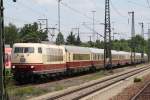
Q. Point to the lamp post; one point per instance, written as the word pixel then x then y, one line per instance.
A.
pixel 2 46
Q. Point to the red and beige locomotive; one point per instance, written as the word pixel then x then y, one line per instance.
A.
pixel 30 59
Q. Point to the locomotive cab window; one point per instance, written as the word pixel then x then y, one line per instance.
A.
pixel 28 50
pixel 39 50
pixel 18 50
pixel 24 50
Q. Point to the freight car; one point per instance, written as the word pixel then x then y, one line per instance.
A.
pixel 30 59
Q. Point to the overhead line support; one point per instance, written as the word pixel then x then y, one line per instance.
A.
pixel 132 37
pixel 107 37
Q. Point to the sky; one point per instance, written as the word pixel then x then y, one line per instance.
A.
pixel 78 13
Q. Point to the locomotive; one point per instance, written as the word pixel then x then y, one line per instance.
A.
pixel 29 59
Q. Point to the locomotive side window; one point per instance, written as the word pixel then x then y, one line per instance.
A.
pixel 54 54
pixel 39 50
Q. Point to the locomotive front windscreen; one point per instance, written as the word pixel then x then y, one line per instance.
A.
pixel 24 50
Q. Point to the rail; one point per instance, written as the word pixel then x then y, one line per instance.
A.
pixel 141 91
pixel 81 92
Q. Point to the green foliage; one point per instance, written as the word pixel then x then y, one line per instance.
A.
pixel 78 41
pixel 147 48
pixel 120 45
pixel 60 39
pixel 99 44
pixel 11 34
pixel 23 92
pixel 30 33
pixel 59 87
pixel 71 40
pixel 137 80
pixel 138 43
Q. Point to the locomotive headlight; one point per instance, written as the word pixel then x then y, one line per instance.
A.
pixel 32 67
pixel 13 67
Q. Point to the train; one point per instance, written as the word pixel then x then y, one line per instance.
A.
pixel 32 59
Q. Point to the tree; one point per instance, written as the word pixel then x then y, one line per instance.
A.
pixel 60 39
pixel 147 49
pixel 71 39
pixel 11 34
pixel 78 41
pixel 138 43
pixel 30 33
pixel 98 44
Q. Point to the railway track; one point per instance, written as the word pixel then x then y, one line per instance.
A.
pixel 144 94
pixel 83 91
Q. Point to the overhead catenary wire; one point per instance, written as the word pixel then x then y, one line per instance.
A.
pixel 148 3
pixel 138 4
pixel 91 29
pixel 94 4
pixel 75 10
pixel 16 19
pixel 34 11
pixel 116 10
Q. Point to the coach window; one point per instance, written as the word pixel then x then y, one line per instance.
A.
pixel 39 50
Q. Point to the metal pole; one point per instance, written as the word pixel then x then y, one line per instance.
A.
pixel 2 91
pixel 47 26
pixel 46 23
pixel 142 29
pixel 148 43
pixel 132 36
pixel 53 33
pixel 59 16
pixel 77 29
pixel 93 12
pixel 107 36
pixel 2 48
pixel 113 31
pixel 142 34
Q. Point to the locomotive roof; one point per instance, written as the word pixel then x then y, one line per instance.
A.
pixel 95 50
pixel 26 44
pixel 76 49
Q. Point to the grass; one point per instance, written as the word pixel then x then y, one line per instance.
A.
pixel 21 93
pixel 95 76
pixel 25 92
pixel 59 87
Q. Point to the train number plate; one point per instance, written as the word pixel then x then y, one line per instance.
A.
pixel 22 60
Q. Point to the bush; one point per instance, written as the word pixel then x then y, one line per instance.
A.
pixel 137 80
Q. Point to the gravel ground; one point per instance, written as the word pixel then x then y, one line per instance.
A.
pixel 79 80
pixel 132 90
